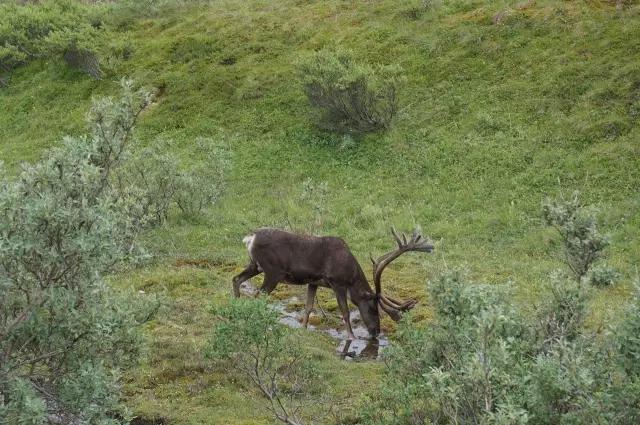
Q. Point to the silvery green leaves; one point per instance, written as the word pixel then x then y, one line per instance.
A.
pixel 582 242
pixel 484 360
pixel 64 333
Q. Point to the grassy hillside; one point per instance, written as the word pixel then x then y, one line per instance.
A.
pixel 503 104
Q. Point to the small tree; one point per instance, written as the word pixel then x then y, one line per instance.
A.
pixel 350 97
pixel 42 30
pixel 314 195
pixel 64 333
pixel 250 340
pixel 577 225
pixel 204 182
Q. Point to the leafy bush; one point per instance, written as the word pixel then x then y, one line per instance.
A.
pixel 154 181
pixel 603 275
pixel 563 313
pixel 628 335
pixel 55 28
pixel 203 183
pixel 64 333
pixel 482 362
pixel 249 339
pixel 349 97
pixel 150 180
pixel 577 225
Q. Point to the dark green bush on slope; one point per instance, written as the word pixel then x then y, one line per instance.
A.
pixel 54 28
pixel 350 97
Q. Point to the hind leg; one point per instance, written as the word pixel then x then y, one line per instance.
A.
pixel 250 271
pixel 270 282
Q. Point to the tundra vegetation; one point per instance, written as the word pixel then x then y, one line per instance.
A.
pixel 487 110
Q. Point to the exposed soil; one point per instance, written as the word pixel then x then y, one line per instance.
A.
pixel 149 421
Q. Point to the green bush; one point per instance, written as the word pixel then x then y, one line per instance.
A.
pixel 603 275
pixel 53 28
pixel 154 180
pixel 150 180
pixel 250 340
pixel 563 312
pixel 204 182
pixel 349 97
pixel 628 335
pixel 483 362
pixel 577 225
pixel 64 333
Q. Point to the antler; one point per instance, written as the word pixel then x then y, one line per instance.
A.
pixel 391 306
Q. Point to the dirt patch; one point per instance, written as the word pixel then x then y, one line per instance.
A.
pixel 149 421
pixel 203 263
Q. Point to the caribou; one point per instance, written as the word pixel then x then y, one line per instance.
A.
pixel 327 261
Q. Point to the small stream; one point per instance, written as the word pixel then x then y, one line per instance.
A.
pixel 361 348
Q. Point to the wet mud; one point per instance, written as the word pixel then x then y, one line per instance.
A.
pixel 360 349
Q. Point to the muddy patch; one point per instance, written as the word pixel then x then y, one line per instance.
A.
pixel 362 348
pixel 148 421
pixel 204 263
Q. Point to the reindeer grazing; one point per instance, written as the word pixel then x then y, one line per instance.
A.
pixel 326 261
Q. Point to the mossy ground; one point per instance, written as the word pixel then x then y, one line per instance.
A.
pixel 493 118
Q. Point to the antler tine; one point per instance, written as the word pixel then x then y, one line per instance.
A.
pixel 395 236
pixel 392 312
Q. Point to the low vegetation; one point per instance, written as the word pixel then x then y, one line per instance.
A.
pixel 251 341
pixel 64 333
pixel 63 28
pixel 485 362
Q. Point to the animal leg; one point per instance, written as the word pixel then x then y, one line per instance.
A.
pixel 270 282
pixel 311 295
pixel 250 271
pixel 341 296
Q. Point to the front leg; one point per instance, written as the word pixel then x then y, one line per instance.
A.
pixel 311 295
pixel 341 296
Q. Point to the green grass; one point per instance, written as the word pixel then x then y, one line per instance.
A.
pixel 493 118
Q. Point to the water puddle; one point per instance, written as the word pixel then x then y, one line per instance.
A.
pixel 362 348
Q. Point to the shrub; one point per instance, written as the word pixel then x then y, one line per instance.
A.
pixel 603 275
pixel 249 339
pixel 628 335
pixel 481 362
pixel 64 333
pixel 204 182
pixel 349 97
pixel 563 313
pixel 57 28
pixel 314 196
pixel 154 181
pixel 150 180
pixel 577 225
pixel 456 370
